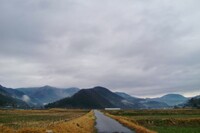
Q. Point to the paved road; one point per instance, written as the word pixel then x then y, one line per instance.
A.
pixel 105 124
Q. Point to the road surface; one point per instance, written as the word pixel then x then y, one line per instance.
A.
pixel 105 124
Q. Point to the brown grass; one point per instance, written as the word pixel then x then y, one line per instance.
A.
pixel 4 129
pixel 131 124
pixel 82 124
pixel 18 119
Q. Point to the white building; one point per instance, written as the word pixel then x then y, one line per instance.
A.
pixel 112 108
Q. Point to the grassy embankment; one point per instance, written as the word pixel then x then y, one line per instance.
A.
pixel 39 121
pixel 130 123
pixel 162 121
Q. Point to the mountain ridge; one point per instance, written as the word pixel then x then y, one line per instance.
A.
pixel 171 99
pixel 47 94
pixel 97 97
pixel 10 98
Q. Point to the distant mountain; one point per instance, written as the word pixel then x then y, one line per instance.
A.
pixel 128 97
pixel 171 99
pixel 48 94
pixel 141 103
pixel 193 102
pixel 3 91
pixel 154 104
pixel 134 100
pixel 12 92
pixel 10 97
pixel 97 97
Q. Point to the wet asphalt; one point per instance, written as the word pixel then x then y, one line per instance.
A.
pixel 105 124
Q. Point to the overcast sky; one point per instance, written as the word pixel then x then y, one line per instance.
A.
pixel 145 48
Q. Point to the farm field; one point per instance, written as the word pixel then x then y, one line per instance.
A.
pixel 23 121
pixel 163 121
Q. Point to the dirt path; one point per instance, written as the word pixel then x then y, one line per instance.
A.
pixel 105 124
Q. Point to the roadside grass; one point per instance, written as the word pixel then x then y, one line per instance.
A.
pixel 131 124
pixel 176 129
pixel 38 121
pixel 158 112
pixel 84 124
pixel 164 121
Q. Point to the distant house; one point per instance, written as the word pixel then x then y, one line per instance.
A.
pixel 112 108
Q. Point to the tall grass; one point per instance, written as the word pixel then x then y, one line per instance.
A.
pixel 84 124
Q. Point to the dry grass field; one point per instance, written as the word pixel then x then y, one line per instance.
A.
pixel 161 121
pixel 84 124
pixel 40 121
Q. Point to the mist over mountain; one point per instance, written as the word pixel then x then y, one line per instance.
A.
pixel 129 98
pixel 100 97
pixel 171 99
pixel 97 97
pixel 12 98
pixel 33 97
pixel 141 103
pixel 47 94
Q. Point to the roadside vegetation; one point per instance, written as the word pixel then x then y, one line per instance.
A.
pixel 132 124
pixel 84 124
pixel 161 121
pixel 42 121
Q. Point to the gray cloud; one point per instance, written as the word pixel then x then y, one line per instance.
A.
pixel 144 48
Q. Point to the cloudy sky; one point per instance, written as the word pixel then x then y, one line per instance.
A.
pixel 142 47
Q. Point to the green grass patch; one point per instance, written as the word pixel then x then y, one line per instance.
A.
pixel 176 129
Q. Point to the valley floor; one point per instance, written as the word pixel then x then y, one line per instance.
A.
pixel 83 121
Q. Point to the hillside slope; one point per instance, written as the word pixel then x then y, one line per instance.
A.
pixel 171 99
pixel 141 103
pixel 193 102
pixel 97 97
pixel 8 99
pixel 48 94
